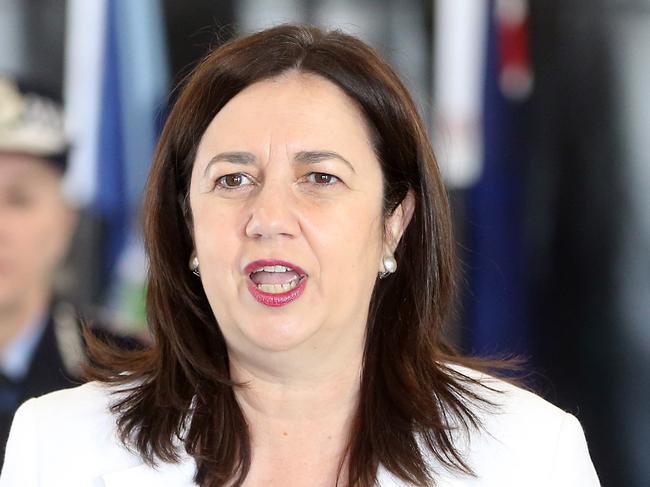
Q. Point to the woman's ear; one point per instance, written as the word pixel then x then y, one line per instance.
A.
pixel 397 222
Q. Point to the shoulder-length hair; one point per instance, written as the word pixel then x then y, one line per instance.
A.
pixel 180 389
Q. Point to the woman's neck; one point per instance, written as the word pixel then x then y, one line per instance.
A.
pixel 299 426
pixel 293 397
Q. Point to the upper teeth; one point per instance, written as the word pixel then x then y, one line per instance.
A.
pixel 273 268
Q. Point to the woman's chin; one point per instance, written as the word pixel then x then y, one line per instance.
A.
pixel 278 335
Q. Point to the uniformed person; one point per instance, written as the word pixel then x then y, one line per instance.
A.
pixel 41 345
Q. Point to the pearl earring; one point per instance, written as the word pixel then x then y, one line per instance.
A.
pixel 390 266
pixel 194 264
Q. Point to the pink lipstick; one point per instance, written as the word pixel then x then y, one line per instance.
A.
pixel 261 272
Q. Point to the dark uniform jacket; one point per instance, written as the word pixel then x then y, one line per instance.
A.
pixel 55 364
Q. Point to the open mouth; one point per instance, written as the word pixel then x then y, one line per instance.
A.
pixel 276 279
pixel 275 283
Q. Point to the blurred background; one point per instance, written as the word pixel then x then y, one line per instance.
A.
pixel 539 112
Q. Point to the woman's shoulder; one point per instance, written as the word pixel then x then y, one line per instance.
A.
pixel 523 437
pixel 89 395
pixel 509 400
pixel 69 433
pixel 75 409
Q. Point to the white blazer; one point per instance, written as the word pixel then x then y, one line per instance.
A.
pixel 67 438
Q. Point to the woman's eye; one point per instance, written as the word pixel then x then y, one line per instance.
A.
pixel 232 181
pixel 322 178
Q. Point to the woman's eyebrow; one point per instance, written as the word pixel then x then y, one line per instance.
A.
pixel 232 157
pixel 311 157
pixel 305 157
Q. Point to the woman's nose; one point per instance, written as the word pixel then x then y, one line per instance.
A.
pixel 273 213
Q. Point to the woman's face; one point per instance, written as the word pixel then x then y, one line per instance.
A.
pixel 286 198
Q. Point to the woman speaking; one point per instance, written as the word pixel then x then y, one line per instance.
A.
pixel 301 272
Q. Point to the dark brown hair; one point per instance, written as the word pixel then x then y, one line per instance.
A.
pixel 180 388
